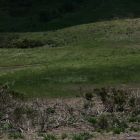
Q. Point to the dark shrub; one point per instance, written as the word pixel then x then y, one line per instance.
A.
pixel 134 119
pixel 102 122
pixel 5 41
pixel 92 120
pixel 16 135
pixel 13 41
pixel 50 42
pixel 87 105
pixel 89 96
pixel 27 43
pixel 135 129
pixel 44 15
pixel 117 130
pixel 114 100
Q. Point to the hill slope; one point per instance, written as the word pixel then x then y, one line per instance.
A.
pixel 24 16
pixel 97 54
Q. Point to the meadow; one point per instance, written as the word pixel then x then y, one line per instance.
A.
pixel 91 55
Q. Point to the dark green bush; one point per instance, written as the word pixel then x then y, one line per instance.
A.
pixel 50 110
pixel 18 112
pixel 50 137
pixel 17 95
pixel 122 125
pixel 4 96
pixel 50 42
pixel 6 41
pixel 97 130
pixel 132 101
pixel 113 99
pixel 86 134
pixel 63 136
pixel 117 130
pixel 102 122
pixel 135 129
pixel 13 42
pixel 91 120
pixel 1 133
pixel 102 92
pixel 27 43
pixel 88 96
pixel 134 119
pixel 87 105
pixel 41 135
pixel 10 126
pixel 31 113
pixel 16 135
pixel 51 121
pixel 77 137
pixel 1 116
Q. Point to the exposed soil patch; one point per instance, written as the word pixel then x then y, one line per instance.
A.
pixel 20 66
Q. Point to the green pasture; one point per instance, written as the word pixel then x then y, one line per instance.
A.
pixel 98 54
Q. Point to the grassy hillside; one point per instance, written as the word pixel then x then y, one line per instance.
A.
pixel 23 16
pixel 98 54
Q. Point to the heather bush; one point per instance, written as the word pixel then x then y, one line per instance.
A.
pixel 63 136
pixel 113 100
pixel 88 96
pixel 92 120
pixel 12 41
pixel 6 41
pixel 50 137
pixel 134 104
pixel 135 129
pixel 27 43
pixel 16 135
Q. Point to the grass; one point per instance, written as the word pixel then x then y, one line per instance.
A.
pixel 102 53
pixel 16 135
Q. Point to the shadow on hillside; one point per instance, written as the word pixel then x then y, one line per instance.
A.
pixel 42 27
pixel 87 12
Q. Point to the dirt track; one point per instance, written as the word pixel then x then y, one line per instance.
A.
pixel 21 66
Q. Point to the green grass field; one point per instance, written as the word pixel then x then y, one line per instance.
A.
pixel 98 54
